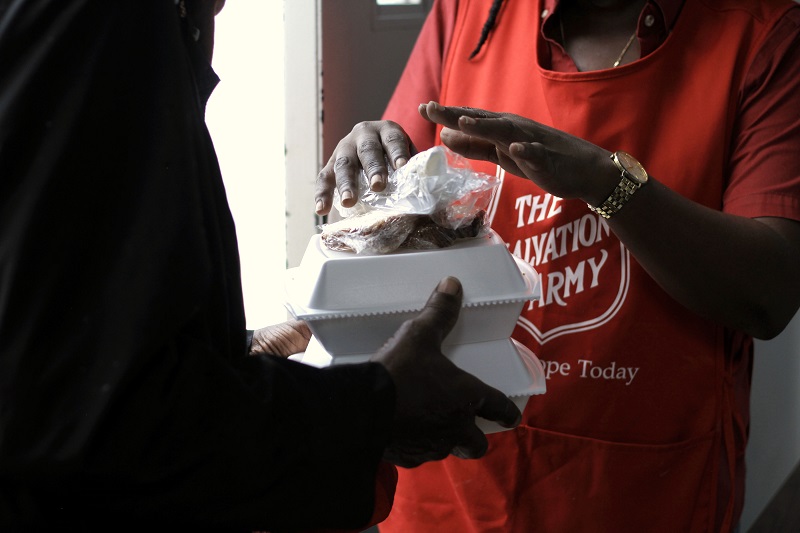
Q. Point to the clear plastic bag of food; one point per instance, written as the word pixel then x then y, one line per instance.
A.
pixel 433 200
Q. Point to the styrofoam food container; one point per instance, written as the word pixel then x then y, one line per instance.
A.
pixel 354 303
pixel 505 364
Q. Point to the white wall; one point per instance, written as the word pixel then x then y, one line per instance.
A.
pixel 304 122
pixel 246 119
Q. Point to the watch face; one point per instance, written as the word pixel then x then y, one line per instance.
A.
pixel 632 167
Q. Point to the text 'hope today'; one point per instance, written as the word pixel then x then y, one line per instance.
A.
pixel 588 370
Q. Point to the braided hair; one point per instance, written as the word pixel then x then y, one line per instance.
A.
pixel 488 26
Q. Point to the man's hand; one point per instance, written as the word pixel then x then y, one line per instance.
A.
pixel 561 164
pixel 367 146
pixel 436 401
pixel 284 339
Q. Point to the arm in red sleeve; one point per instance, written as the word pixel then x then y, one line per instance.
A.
pixel 765 160
pixel 421 80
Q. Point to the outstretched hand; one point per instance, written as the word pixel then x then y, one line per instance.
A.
pixel 436 401
pixel 561 164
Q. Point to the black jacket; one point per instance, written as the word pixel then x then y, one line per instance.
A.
pixel 126 398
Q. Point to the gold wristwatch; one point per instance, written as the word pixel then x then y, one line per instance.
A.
pixel 633 177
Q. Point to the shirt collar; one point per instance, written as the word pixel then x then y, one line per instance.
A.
pixel 657 19
pixel 669 10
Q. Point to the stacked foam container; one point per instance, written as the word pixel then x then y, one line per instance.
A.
pixel 354 303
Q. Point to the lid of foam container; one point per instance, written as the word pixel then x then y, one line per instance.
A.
pixel 333 284
pixel 507 365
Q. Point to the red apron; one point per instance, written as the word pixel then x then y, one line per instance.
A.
pixel 644 423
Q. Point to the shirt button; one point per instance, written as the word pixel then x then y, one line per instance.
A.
pixel 545 12
pixel 649 20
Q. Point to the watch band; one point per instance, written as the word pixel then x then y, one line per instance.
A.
pixel 618 198
pixel 620 195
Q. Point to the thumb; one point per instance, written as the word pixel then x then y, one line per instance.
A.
pixel 442 308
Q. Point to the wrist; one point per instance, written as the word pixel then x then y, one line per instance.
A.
pixel 605 180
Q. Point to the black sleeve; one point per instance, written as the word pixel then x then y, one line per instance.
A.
pixel 125 398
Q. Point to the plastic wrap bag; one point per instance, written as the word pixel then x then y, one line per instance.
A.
pixel 430 202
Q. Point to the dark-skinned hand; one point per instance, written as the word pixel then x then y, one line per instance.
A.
pixel 562 164
pixel 283 340
pixel 436 401
pixel 367 146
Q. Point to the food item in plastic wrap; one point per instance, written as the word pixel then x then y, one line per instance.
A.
pixel 379 232
pixel 432 201
pixel 375 232
pixel 428 235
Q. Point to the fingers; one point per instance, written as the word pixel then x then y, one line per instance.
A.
pixel 345 171
pixel 323 192
pixel 371 157
pixel 469 146
pixel 283 340
pixel 415 454
pixel 366 147
pixel 500 131
pixel 472 443
pixel 499 408
pixel 499 128
pixel 449 116
pixel 489 402
pixel 483 135
pixel 396 144
pixel 459 437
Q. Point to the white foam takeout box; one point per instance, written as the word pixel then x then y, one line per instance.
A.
pixel 504 364
pixel 353 303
